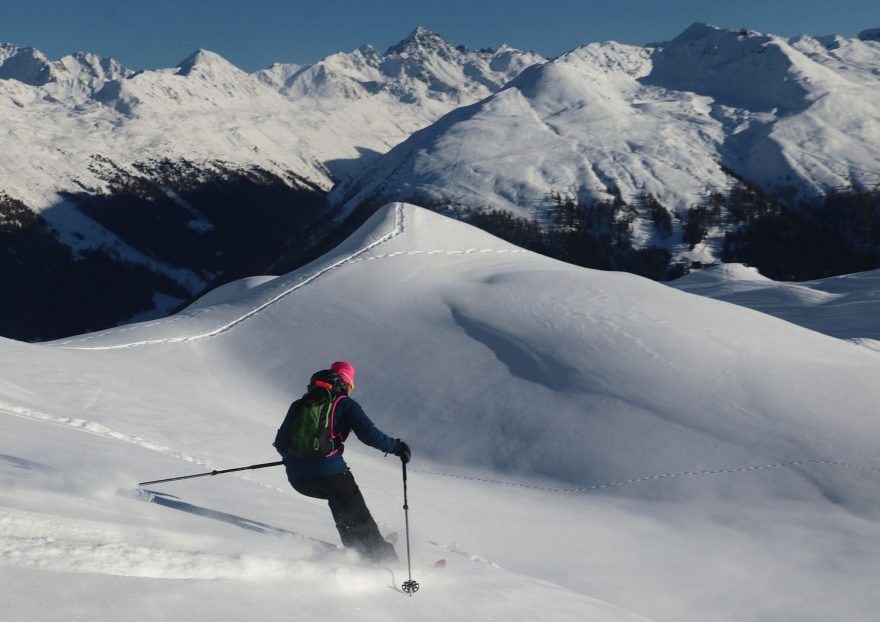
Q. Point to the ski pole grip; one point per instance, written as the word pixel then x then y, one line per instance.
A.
pixel 405 500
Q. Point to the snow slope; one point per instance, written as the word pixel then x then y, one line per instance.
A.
pixel 667 455
pixel 670 120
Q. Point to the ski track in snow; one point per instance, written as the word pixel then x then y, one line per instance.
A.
pixel 398 228
pixel 96 429
pixel 456 549
pixel 648 478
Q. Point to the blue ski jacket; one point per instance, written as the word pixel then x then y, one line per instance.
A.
pixel 348 417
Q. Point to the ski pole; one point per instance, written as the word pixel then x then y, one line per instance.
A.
pixel 245 468
pixel 409 586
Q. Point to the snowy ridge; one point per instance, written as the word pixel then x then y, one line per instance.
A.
pixel 421 68
pixel 398 227
pixel 76 76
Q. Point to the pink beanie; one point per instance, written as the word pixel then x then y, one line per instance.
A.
pixel 346 370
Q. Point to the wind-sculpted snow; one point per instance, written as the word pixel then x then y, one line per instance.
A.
pixel 650 443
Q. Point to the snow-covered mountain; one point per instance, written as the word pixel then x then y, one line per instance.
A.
pixel 286 119
pixel 74 77
pixel 138 168
pixel 679 121
pixel 364 102
pixel 587 445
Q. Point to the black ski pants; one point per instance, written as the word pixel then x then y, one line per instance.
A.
pixel 355 524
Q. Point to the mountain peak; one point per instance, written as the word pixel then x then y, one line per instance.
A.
pixel 419 39
pixel 872 34
pixel 203 59
pixel 420 33
pixel 738 68
pixel 701 30
pixel 697 30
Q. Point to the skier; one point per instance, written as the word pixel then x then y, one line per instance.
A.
pixel 310 441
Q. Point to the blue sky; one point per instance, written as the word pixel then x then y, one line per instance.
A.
pixel 254 34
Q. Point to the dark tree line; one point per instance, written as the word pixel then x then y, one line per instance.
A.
pixel 785 238
pixel 593 235
pixel 793 239
pixel 220 224
pixel 50 292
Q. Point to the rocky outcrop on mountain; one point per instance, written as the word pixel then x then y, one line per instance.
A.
pixel 871 34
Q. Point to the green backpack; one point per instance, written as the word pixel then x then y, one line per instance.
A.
pixel 312 434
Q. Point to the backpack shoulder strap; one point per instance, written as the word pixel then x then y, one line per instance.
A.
pixel 333 433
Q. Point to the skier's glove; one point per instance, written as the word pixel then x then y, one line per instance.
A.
pixel 402 451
